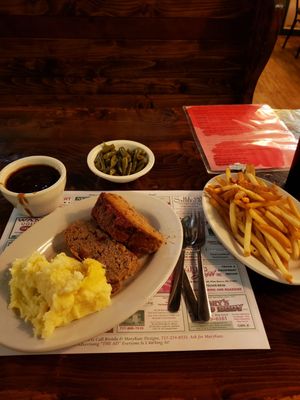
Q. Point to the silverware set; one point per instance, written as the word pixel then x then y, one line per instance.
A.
pixel 193 236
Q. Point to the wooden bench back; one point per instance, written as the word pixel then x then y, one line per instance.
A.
pixel 134 53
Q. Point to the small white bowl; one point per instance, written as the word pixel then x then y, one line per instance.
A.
pixel 38 203
pixel 128 144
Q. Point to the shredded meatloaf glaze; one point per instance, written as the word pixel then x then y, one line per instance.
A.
pixel 122 222
pixel 85 239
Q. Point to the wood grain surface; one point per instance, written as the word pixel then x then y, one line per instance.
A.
pixel 211 51
pixel 252 374
pixel 76 73
pixel 279 83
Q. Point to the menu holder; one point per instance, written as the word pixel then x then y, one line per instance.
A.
pixel 240 134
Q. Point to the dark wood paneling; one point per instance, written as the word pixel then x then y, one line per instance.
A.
pixel 100 49
pixel 121 8
pixel 150 28
pixel 214 50
pixel 121 101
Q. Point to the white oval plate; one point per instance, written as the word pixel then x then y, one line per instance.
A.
pixel 46 237
pixel 225 237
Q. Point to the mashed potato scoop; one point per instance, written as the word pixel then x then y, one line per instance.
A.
pixel 53 293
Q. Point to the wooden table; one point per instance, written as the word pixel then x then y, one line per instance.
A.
pixel 68 133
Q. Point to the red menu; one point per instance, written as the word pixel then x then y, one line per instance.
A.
pixel 229 135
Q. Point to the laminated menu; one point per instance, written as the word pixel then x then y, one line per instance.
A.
pixel 240 134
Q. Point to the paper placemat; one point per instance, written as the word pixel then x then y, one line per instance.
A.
pixel 235 322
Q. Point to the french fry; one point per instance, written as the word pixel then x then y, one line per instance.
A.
pixel 251 194
pixel 286 274
pixel 228 174
pixel 275 221
pixel 282 239
pixel 247 237
pixel 229 187
pixel 296 250
pixel 259 235
pixel 221 211
pixel 263 250
pixel 240 177
pixel 286 215
pixel 258 204
pixel 261 182
pixel 250 169
pixel 293 207
pixel 260 246
pixel 232 218
pixel 279 248
pixel 257 217
pixel 246 200
pixel 251 178
pixel 220 181
pixel 239 195
pixel 254 250
pixel 265 191
pixel 265 222
pixel 217 198
pixel 229 194
pixel 271 196
pixel 293 232
pixel 240 203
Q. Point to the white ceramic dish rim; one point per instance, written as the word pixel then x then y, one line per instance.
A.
pixel 220 230
pixel 32 160
pixel 118 143
pixel 41 236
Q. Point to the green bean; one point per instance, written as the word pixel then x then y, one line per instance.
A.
pixel 140 154
pixel 99 162
pixel 128 172
pixel 140 166
pixel 120 161
pixel 119 167
pixel 134 164
pixel 107 147
pixel 124 165
pixel 113 160
pixel 122 151
pixel 108 156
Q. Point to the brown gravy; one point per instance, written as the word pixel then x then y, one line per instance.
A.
pixel 32 178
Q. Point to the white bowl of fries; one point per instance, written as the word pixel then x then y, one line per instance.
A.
pixel 258 222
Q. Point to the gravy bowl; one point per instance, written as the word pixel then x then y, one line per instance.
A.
pixel 34 185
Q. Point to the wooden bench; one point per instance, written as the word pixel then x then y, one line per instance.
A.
pixel 134 53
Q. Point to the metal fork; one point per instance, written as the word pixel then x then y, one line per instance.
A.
pixel 176 289
pixel 197 240
pixel 181 281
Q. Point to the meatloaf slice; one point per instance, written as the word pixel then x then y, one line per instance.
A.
pixel 125 224
pixel 84 239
